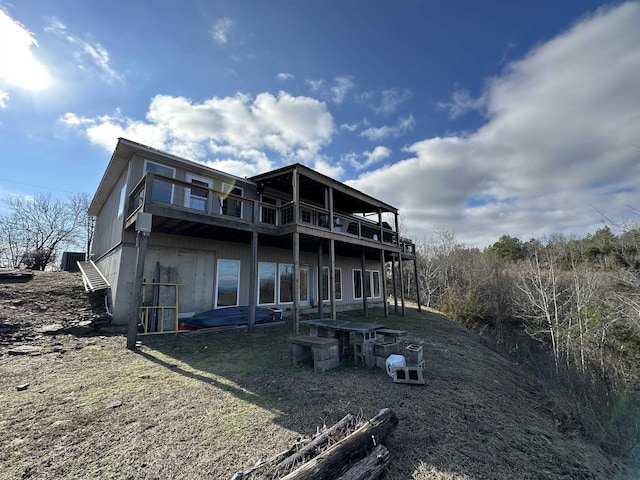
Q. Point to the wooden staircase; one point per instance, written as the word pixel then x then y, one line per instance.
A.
pixel 92 277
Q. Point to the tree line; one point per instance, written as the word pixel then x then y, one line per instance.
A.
pixel 35 230
pixel 568 309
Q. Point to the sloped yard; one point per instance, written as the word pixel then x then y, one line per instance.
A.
pixel 208 405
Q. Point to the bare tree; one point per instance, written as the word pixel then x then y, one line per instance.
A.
pixel 543 296
pixel 36 227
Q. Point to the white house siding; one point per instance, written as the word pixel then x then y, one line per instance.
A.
pixel 109 223
pixel 121 284
pixel 194 262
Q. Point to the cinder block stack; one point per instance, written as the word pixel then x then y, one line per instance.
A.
pixel 413 371
pixel 414 356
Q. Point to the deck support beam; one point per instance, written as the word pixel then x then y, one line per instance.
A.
pixel 320 282
pixel 363 265
pixel 383 279
pixel 253 270
pixel 136 298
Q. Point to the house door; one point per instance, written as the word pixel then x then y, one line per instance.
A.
pixel 285 284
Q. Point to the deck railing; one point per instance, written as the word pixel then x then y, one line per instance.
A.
pixel 155 189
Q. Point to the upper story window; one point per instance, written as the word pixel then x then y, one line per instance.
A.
pixel 162 191
pixel 268 210
pixel 197 195
pixel 232 206
pixel 123 198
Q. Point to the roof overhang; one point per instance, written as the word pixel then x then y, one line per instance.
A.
pixel 313 186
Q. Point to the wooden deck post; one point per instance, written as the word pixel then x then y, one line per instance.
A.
pixel 332 277
pixel 295 187
pixel 363 265
pixel 415 272
pixel 253 270
pixel 393 283
pixel 296 282
pixel 401 284
pixel 320 281
pixel 332 260
pixel 136 298
pixel 383 279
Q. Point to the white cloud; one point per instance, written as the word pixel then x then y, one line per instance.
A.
pixel 369 158
pixel 461 103
pixel 220 30
pixel 349 127
pixel 18 66
pixel 323 166
pixel 336 92
pixel 376 155
pixel 89 55
pixel 240 129
pixel 380 133
pixel 4 98
pixel 386 101
pixel 284 76
pixel 556 147
pixel 343 85
pixel 315 85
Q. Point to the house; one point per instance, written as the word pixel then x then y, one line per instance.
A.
pixel 192 239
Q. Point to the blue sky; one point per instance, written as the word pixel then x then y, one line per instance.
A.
pixel 479 118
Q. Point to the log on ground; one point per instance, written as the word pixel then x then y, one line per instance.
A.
pixel 336 460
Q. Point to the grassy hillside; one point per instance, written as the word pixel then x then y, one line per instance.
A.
pixel 205 406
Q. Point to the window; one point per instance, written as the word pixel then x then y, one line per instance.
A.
pixel 228 283
pixel 267 283
pixel 268 212
pixel 231 206
pixel 371 284
pixel 367 283
pixel 162 190
pixel 357 284
pixel 197 196
pixel 325 284
pixel 304 285
pixel 123 193
pixel 287 215
pixel 286 284
pixel 376 284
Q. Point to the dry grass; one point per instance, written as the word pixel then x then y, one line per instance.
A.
pixel 205 406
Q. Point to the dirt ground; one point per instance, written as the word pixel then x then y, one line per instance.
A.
pixel 77 404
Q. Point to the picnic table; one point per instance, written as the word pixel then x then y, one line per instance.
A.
pixel 342 329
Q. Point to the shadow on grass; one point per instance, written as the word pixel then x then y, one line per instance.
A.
pixel 255 368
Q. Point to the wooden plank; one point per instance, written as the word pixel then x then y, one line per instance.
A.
pixel 331 463
pixel 371 467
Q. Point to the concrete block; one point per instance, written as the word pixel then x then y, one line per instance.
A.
pixel 370 361
pixel 360 337
pixel 328 364
pixel 299 354
pixel 389 335
pixel 324 353
pixel 413 354
pixel 408 374
pixel 381 362
pixel 384 349
pixel 369 348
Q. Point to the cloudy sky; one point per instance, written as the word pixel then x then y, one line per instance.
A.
pixel 481 118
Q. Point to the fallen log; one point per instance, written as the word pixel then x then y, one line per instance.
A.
pixel 308 451
pixel 335 461
pixel 264 464
pixel 298 453
pixel 370 467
